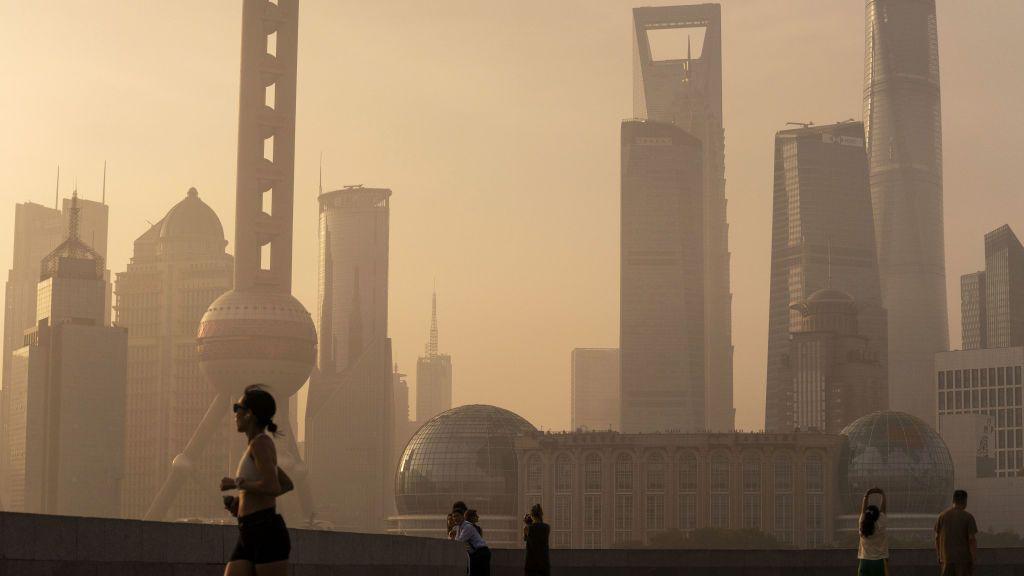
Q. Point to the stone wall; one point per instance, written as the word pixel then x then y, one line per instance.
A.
pixel 32 545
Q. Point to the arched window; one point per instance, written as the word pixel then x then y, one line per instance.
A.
pixel 655 473
pixel 752 491
pixel 687 465
pixel 563 473
pixel 720 490
pixel 592 473
pixel 534 474
pixel 624 473
pixel 782 465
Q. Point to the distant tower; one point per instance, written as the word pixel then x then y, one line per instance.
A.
pixel 822 236
pixel 595 389
pixel 258 333
pixel 433 375
pixel 66 392
pixel 661 296
pixel 992 300
pixel 687 92
pixel 350 408
pixel 903 131
pixel 179 267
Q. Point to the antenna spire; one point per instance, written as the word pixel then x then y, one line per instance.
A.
pixel 432 343
pixel 56 193
pixel 321 172
pixel 104 197
pixel 73 215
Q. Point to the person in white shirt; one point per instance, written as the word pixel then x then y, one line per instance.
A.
pixel 479 554
pixel 873 551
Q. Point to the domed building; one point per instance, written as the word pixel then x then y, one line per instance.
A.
pixel 466 453
pixel 179 266
pixel 905 457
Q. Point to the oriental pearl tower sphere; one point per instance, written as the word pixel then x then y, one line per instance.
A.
pixel 258 333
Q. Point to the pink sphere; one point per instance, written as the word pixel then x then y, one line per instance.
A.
pixel 254 337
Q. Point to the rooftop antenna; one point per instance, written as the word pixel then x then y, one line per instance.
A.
pixel 321 172
pixel 104 197
pixel 56 193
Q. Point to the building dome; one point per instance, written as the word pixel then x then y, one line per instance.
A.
pixel 901 455
pixel 192 218
pixel 466 453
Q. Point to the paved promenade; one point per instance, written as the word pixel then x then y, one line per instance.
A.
pixel 32 545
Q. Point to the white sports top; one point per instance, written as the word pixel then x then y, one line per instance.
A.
pixel 247 465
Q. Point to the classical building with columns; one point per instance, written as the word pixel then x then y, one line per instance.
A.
pixel 607 489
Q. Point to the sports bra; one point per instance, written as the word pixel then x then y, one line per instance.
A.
pixel 247 465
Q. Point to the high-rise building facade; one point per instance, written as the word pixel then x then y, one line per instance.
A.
pixel 179 267
pixel 350 410
pixel 836 375
pixel 987 382
pixel 65 410
pixel 822 235
pixel 661 308
pixel 595 389
pixel 433 376
pixel 687 91
pixel 973 329
pixel 903 138
pixel 37 231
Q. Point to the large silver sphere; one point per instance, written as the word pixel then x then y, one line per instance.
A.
pixel 253 337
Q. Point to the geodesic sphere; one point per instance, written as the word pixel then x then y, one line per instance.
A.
pixel 253 337
pixel 901 455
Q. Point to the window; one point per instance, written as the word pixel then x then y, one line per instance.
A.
pixel 752 492
pixel 815 473
pixel 563 473
pixel 752 511
pixel 562 519
pixel 623 518
pixel 655 512
pixel 560 539
pixel 592 512
pixel 655 473
pixel 534 475
pixel 719 510
pixel 783 475
pixel 687 512
pixel 592 540
pixel 688 473
pixel 624 473
pixel 592 473
pixel 719 473
pixel 815 520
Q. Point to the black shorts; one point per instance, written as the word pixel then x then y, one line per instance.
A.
pixel 262 538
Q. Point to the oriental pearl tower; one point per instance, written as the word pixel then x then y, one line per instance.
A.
pixel 258 333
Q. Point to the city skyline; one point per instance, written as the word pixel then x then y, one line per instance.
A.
pixel 29 162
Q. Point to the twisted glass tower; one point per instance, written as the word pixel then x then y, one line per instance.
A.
pixel 903 133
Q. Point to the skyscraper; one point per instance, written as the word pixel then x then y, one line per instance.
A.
pixel 992 300
pixel 686 90
pixel 178 269
pixel 903 137
pixel 433 375
pixel 661 308
pixel 350 412
pixel 595 389
pixel 65 410
pixel 822 235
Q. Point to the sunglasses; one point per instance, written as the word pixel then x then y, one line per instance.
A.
pixel 236 408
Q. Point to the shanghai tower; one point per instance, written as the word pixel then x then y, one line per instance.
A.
pixel 686 90
pixel 903 137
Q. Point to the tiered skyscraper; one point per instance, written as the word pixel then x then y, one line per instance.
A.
pixel 433 376
pixel 903 132
pixel 350 410
pixel 178 269
pixel 65 409
pixel 687 92
pixel 822 236
pixel 992 300
pixel 661 301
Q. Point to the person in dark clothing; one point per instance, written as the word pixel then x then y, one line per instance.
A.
pixel 536 534
pixel 955 538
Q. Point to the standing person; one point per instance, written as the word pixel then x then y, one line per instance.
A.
pixel 476 546
pixel 873 551
pixel 536 534
pixel 263 543
pixel 955 540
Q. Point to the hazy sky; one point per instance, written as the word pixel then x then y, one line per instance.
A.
pixel 496 124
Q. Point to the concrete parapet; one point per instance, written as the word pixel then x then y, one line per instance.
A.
pixel 34 545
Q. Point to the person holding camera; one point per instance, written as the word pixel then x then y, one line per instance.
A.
pixel 536 535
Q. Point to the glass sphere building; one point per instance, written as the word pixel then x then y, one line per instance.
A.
pixel 902 455
pixel 466 453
